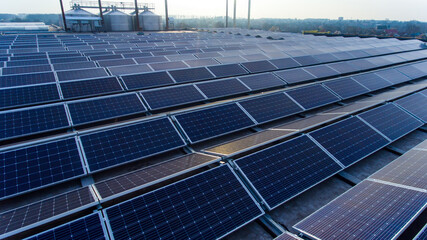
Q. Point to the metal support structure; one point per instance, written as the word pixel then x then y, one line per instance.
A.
pixel 234 17
pixel 348 178
pixel 272 227
pixel 100 12
pixel 226 13
pixel 167 15
pixel 63 15
pixel 249 14
pixel 137 16
pixel 394 150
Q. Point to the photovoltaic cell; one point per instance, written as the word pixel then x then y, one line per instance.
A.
pixel 349 140
pixel 411 71
pixel 391 121
pixel 116 62
pixel 362 64
pixel 270 107
pixel 321 71
pixel 222 88
pixel 147 80
pixel 124 144
pixel 168 65
pixel 283 171
pixel 262 81
pixel 285 63
pixel 415 104
pixel 228 70
pixel 27 62
pixel 211 205
pixel 81 74
pixel 68 60
pixel 393 76
pixel 33 167
pixel 369 210
pixel 343 67
pixel 91 87
pixel 190 75
pixel 346 87
pixel 306 60
pixel 312 96
pixel 259 66
pixel 171 96
pixel 142 60
pixel 21 96
pixel 211 122
pixel 129 69
pixel 201 62
pixel 26 69
pixel 372 81
pixel 73 65
pixel 295 75
pixel 326 57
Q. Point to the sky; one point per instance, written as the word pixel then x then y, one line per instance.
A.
pixel 349 9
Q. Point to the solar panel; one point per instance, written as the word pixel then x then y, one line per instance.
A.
pixel 27 63
pixel 133 54
pixel 86 228
pixel 32 167
pixel 227 70
pixel 372 81
pixel 105 57
pixel 349 140
pixel 22 122
pixel 97 109
pixel 422 235
pixel 369 210
pixel 192 74
pixel 391 121
pixel 81 74
pixel 104 149
pixel 212 204
pixel 259 66
pixel 26 69
pixel 283 171
pixel 230 59
pixel 312 96
pixel 116 62
pixel 171 96
pixel 343 55
pixel 147 80
pixel 295 75
pixel 129 69
pixel 325 57
pixel 153 174
pixel 90 87
pixel 306 60
pixel 168 65
pixel 21 96
pixel 271 107
pixel 346 87
pixel 414 104
pixel 411 71
pixel 379 61
pixel 142 60
pixel 343 67
pixel 222 88
pixel 73 65
pixel 262 81
pixel 393 76
pixel 362 64
pixel 201 62
pixel 207 123
pixel 321 71
pixel 68 60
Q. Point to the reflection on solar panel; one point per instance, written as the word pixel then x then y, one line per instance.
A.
pixel 81 74
pixel 222 88
pixel 116 62
pixel 262 81
pixel 306 60
pixel 26 69
pixel 270 107
pixel 372 81
pixel 228 70
pixel 123 144
pixel 44 210
pixel 129 69
pixel 21 96
pixel 146 80
pixel 343 67
pixel 86 228
pixel 312 96
pixel 29 121
pixel 171 96
pixel 391 121
pixel 415 104
pixel 349 140
pixel 212 204
pixel 151 59
pixel 211 122
pixel 192 74
pixel 152 174
pixel 33 167
pixel 411 71
pixel 295 75
pixel 369 210
pixel 97 109
pixel 91 87
pixel 259 66
pixel 321 71
pixel 346 87
pixel 343 55
pixel 201 62
pixel 325 57
pixel 168 65
pixel 393 76
pixel 285 170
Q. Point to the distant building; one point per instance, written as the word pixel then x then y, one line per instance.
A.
pixel 340 18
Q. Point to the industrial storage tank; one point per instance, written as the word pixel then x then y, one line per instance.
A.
pixel 79 20
pixel 150 21
pixel 117 21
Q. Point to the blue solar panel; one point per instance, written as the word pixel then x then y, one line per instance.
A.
pixel 415 104
pixel 227 70
pixel 411 71
pixel 91 87
pixel 192 74
pixel 26 69
pixel 36 166
pixel 27 63
pixel 285 170
pixel 116 62
pixel 201 62
pixel 105 57
pixel 171 96
pixel 168 65
pixel 295 75
pixel 74 65
pixel 211 122
pixel 362 64
pixel 28 121
pixel 104 149
pixel 222 88
pixel 147 80
pixel 142 60
pixel 372 81
pixel 343 67
pixel 321 71
pixel 21 96
pixel 393 76
pixel 325 57
pixel 306 60
pixel 312 96
pixel 68 60
pixel 98 109
pixel 391 121
pixel 259 66
pixel 81 74
pixel 262 81
pixel 270 107
pixel 346 87
pixel 209 205
pixel 86 228
pixel 343 55
pixel 349 140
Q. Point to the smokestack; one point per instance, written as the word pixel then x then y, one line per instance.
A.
pixel 226 13
pixel 100 12
pixel 249 14
pixel 234 20
pixel 167 16
pixel 136 15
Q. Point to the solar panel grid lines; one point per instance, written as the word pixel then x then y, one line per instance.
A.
pixel 372 81
pixel 90 87
pixel 28 95
pixel 411 71
pixel 217 191
pixel 312 96
pixel 368 210
pixel 346 87
pixel 393 76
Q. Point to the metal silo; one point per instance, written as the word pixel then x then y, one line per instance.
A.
pixel 79 20
pixel 150 21
pixel 117 21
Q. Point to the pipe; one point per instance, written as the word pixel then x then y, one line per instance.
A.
pixel 100 12
pixel 136 15
pixel 226 13
pixel 249 14
pixel 234 20
pixel 63 15
pixel 167 16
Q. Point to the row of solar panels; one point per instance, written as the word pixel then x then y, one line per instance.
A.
pixel 392 198
pixel 292 160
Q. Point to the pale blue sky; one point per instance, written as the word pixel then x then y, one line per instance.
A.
pixel 349 9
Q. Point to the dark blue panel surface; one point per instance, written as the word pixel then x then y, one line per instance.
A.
pixel 346 87
pixel 343 67
pixel 192 74
pixel 321 71
pixel 393 76
pixel 349 140
pixel 32 120
pixel 27 62
pixel 211 122
pixel 283 171
pixel 271 107
pixel 411 71
pixel 228 70
pixel 312 96
pixel 171 96
pixel 285 63
pixel 262 81
pixel 81 74
pixel 142 60
pixel 415 104
pixel 168 65
pixel 147 80
pixel 295 75
pixel 26 69
pixel 222 88
pixel 206 206
pixel 26 79
pixel 259 66
pixel 91 87
pixel 68 60
pixel 128 143
pixel 74 65
pixel 372 81
pixel 306 60
pixel 21 96
pixel 32 167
